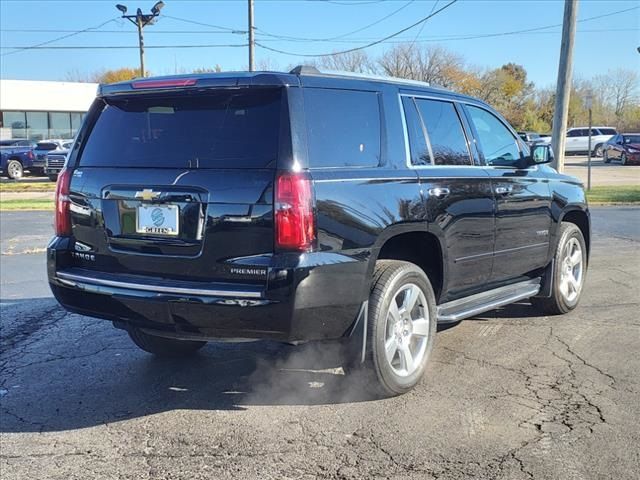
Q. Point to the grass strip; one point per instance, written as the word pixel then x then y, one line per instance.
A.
pixel 609 195
pixel 29 204
pixel 27 187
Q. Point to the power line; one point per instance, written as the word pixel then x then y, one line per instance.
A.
pixel 435 4
pixel 307 39
pixel 124 47
pixel 193 22
pixel 371 44
pixel 344 34
pixel 19 49
pixel 21 30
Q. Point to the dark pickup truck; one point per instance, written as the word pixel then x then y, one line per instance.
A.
pixel 16 156
pixel 308 206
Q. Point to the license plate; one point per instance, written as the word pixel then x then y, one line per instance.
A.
pixel 157 219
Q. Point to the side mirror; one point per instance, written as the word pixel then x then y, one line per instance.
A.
pixel 540 153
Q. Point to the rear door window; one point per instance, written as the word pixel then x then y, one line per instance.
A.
pixel 607 131
pixel 343 128
pixel 444 132
pixel 223 129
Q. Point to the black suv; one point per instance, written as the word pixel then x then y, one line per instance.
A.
pixel 306 207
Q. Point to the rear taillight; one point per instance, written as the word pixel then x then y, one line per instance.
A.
pixel 63 216
pixel 295 226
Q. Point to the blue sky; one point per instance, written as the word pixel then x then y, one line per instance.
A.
pixel 601 44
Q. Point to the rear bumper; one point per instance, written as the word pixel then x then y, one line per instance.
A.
pixel 307 297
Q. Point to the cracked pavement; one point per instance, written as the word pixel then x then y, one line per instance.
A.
pixel 507 395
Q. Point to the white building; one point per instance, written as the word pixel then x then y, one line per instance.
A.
pixel 39 110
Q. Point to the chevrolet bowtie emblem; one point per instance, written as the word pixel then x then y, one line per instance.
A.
pixel 147 194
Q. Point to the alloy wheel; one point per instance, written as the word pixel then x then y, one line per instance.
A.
pixel 572 271
pixel 407 330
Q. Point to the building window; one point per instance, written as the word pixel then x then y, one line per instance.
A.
pixel 59 125
pixel 38 125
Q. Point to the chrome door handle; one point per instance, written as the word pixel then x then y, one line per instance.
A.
pixel 439 192
pixel 503 190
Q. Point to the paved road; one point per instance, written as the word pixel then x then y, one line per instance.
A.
pixel 602 174
pixel 508 395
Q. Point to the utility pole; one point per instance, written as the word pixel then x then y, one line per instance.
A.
pixel 563 87
pixel 141 20
pixel 251 39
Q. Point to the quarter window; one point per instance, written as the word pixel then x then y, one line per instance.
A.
pixel 498 144
pixel 343 128
pixel 417 142
pixel 444 132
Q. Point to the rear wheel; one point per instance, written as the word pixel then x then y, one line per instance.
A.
pixel 569 271
pixel 14 169
pixel 164 347
pixel 401 327
pixel 597 152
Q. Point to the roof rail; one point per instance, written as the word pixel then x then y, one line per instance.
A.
pixel 312 70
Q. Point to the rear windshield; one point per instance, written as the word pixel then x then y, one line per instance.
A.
pixel 217 130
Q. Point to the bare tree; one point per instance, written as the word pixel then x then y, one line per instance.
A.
pixel 620 89
pixel 358 61
pixel 433 64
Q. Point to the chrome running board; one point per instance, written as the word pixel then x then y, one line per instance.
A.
pixel 457 310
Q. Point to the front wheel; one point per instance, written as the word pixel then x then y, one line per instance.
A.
pixel 569 271
pixel 605 157
pixel 53 177
pixel 623 159
pixel 401 326
pixel 14 169
pixel 164 347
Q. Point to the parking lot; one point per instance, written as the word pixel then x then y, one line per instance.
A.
pixel 508 395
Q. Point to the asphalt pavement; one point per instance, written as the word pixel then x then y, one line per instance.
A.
pixel 507 395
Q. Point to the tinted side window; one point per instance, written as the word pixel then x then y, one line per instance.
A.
pixel 573 133
pixel 498 144
pixel 343 128
pixel 444 132
pixel 607 131
pixel 417 141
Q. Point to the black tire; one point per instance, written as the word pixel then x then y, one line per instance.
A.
pixel 605 157
pixel 164 347
pixel 392 278
pixel 598 150
pixel 623 158
pixel 53 177
pixel 14 169
pixel 558 303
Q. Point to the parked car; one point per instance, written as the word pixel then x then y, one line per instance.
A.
pixel 530 138
pixel 578 139
pixel 624 147
pixel 14 160
pixel 362 211
pixel 54 162
pixel 45 146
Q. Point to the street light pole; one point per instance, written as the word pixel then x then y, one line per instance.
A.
pixel 140 43
pixel 141 20
pixel 588 100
